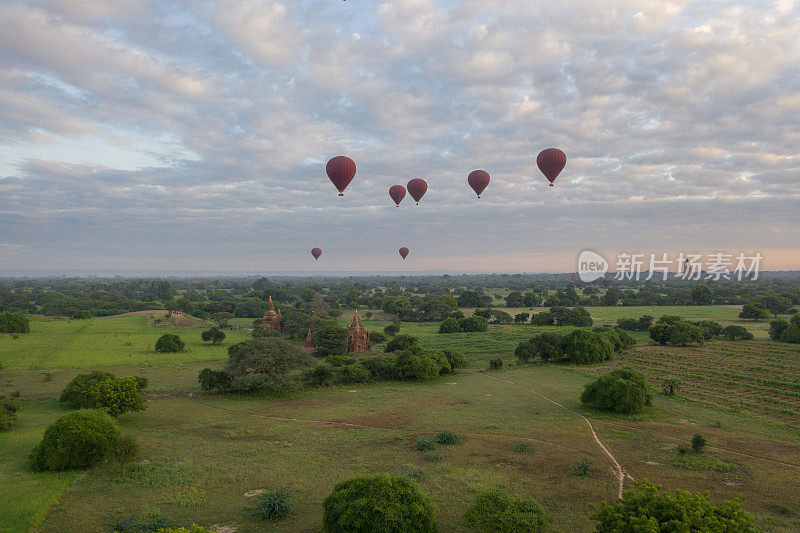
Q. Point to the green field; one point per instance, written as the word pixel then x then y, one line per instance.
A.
pixel 202 453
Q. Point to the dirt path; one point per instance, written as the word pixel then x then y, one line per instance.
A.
pixel 618 470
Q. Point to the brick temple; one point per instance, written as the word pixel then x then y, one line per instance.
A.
pixel 272 318
pixel 309 346
pixel 358 341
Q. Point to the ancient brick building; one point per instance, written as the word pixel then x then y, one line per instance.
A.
pixel 272 318
pixel 309 346
pixel 358 341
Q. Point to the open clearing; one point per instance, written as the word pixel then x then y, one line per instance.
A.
pixel 204 452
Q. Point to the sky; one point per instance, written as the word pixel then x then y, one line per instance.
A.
pixel 194 135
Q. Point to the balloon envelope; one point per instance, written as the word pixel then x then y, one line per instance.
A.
pixel 551 162
pixel 403 252
pixel 478 180
pixel 316 252
pixel 417 188
pixel 397 192
pixel 341 170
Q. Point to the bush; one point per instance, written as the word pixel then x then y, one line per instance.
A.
pixel 677 333
pixel 500 512
pixel 474 323
pixel 442 362
pixel 495 364
pixel 576 316
pixel 792 333
pixel 400 342
pixel 124 450
pixel 698 443
pixel 214 380
pixel 583 347
pixel 649 508
pixel 447 437
pixel 377 337
pixel 331 339
pixel 355 373
pixel 380 504
pixel 194 528
pixel 617 337
pixel 76 440
pixel 522 447
pixel 416 365
pixel 274 504
pixel 544 318
pixel 168 343
pixel 736 333
pixel 265 364
pixel 105 391
pixel 450 325
pixel 521 318
pixel 710 328
pixel 776 328
pixel 455 359
pixel 320 376
pixel 213 335
pixel 424 444
pixel 391 330
pixel 8 411
pixel 548 346
pixel 622 391
pixel 581 467
pixel 433 456
pixel 14 323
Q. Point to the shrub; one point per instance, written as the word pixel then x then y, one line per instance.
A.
pixel 629 324
pixel 447 437
pixel 442 362
pixel 678 333
pixel 377 337
pixel 433 456
pixel 450 325
pixel 8 411
pixel 623 391
pixel 416 365
pixel 274 504
pixel 500 512
pixel 320 376
pixel 522 447
pixel 776 328
pixel 14 323
pixel 698 443
pixel 544 318
pixel 425 444
pixel 474 323
pixel 331 339
pixel 194 528
pixel 736 333
pixel 710 328
pixel 649 508
pixel 586 347
pixel 521 318
pixel 213 335
pixel 215 380
pixel 400 342
pixel 455 359
pixel 391 330
pixel 78 439
pixel 355 373
pixel 495 364
pixel 581 467
pixel 123 450
pixel 576 316
pixel 617 337
pixel 103 390
pixel 168 343
pixel 669 319
pixel 380 504
pixel 792 333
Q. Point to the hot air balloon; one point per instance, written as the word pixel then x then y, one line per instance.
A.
pixel 416 188
pixel 397 192
pixel 551 162
pixel 478 180
pixel 341 170
pixel 403 252
pixel 316 252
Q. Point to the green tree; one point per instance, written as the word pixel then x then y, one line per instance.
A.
pixel 169 343
pixel 265 364
pixel 213 335
pixel 650 509
pixel 124 450
pixel 622 391
pixel 497 511
pixel 736 333
pixel 471 298
pixel 701 295
pixel 379 504
pixel 9 405
pixel 544 318
pixel 14 323
pixel 474 323
pixel 400 342
pixel 698 443
pixel 331 339
pixel 521 318
pixel 78 439
pixel 583 347
pixel 450 325
pixel 611 297
pixel 514 299
pixel 105 391
pixel 776 328
pixel 670 385
pixel 753 312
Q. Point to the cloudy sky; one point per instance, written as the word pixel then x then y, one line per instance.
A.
pixel 194 135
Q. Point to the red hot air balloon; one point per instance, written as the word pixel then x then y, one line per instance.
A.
pixel 316 252
pixel 403 252
pixel 417 188
pixel 478 180
pixel 551 162
pixel 397 192
pixel 341 170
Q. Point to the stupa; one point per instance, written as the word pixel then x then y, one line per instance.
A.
pixel 358 341
pixel 271 318
pixel 309 346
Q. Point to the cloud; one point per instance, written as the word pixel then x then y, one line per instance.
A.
pixel 163 132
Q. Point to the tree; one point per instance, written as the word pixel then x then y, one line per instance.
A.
pixel 400 342
pixel 649 508
pixel 679 333
pixel 78 439
pixel 105 391
pixel 474 323
pixel 531 299
pixel 776 304
pixel 736 333
pixel 547 346
pixel 701 295
pixel 450 325
pixel 670 385
pixel 544 318
pixel 14 323
pixel 754 312
pixel 469 298
pixel 576 316
pixel 792 332
pixel 169 343
pixel 611 297
pixel 331 339
pixel 213 335
pixel 499 512
pixel 777 327
pixel 8 410
pixel 124 450
pixel 379 504
pixel 214 380
pixel 391 330
pixel 622 391
pixel 521 318
pixel 514 299
pixel 583 347
pixel 698 443
pixel 264 364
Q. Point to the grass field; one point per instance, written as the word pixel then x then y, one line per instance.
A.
pixel 203 453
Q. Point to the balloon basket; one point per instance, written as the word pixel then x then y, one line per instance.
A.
pixel 341 194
